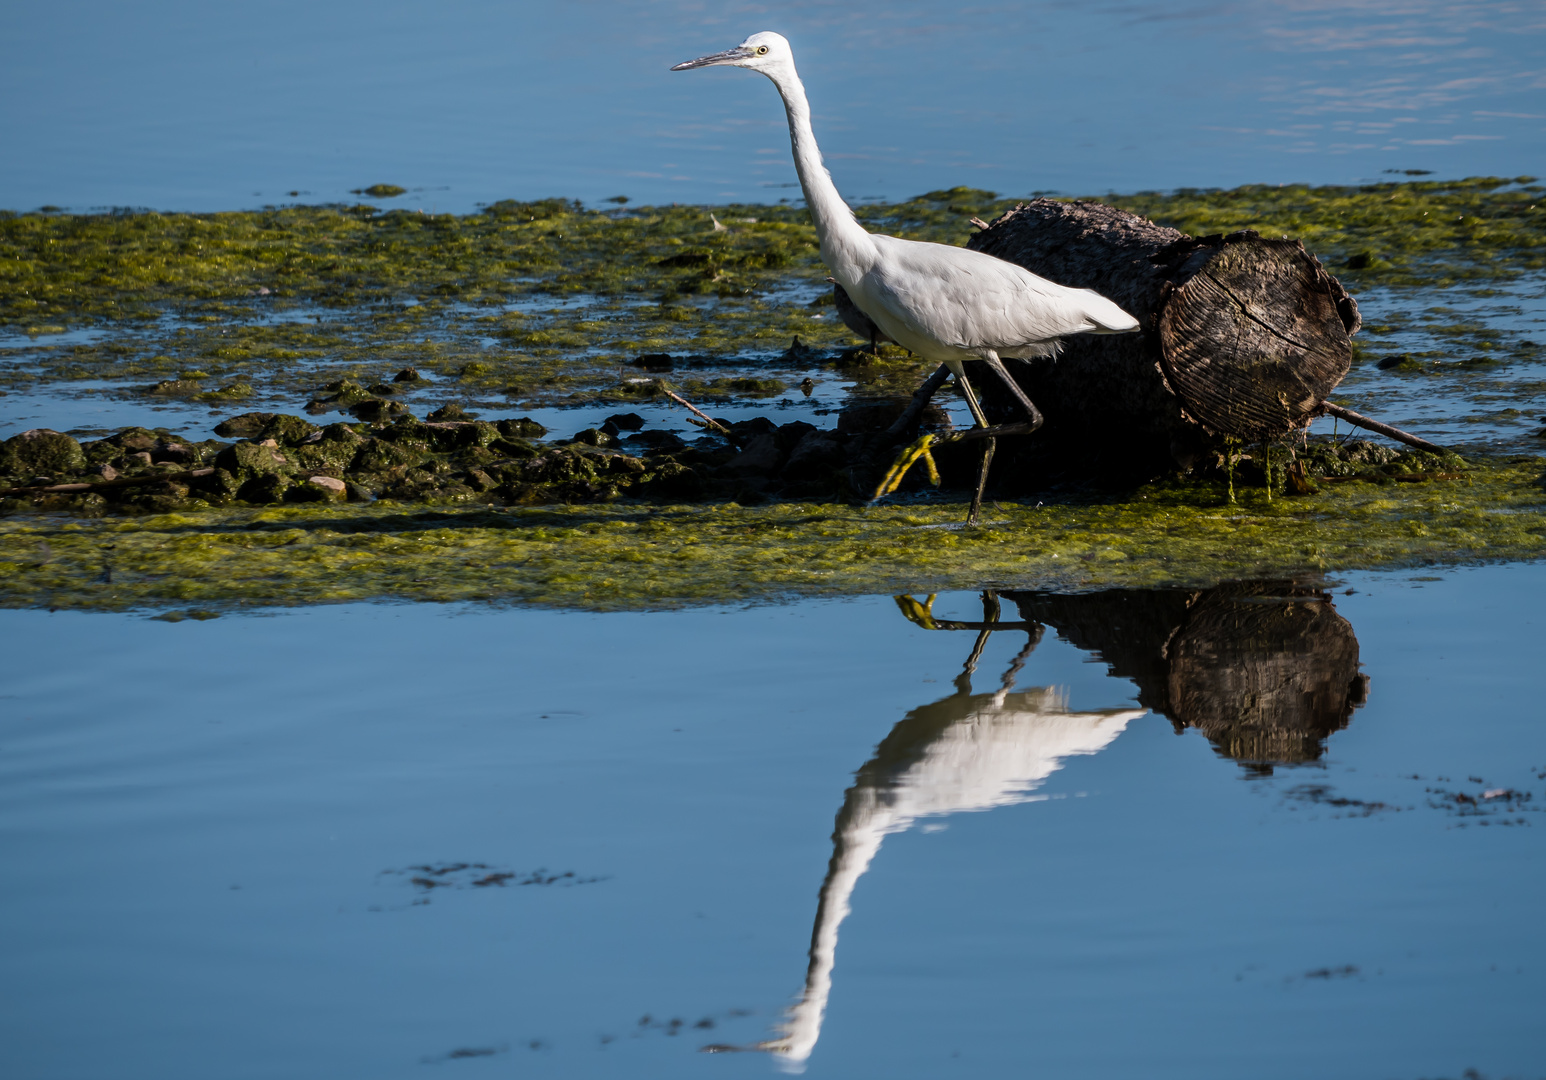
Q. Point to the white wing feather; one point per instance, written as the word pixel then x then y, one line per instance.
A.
pixel 969 302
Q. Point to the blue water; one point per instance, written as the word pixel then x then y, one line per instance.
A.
pixel 210 830
pixel 178 105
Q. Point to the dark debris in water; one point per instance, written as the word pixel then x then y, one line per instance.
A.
pixel 1483 804
pixel 1324 795
pixel 427 877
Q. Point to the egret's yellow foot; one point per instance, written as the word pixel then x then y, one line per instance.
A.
pixel 921 614
pixel 905 461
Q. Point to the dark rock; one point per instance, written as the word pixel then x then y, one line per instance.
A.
pixel 381 456
pixel 521 427
pixel 789 435
pixel 375 410
pixel 453 436
pixel 269 488
pixel 287 430
pixel 246 461
pixel 861 417
pixel 318 489
pixel 173 387
pixel 626 421
pixel 246 426
pixel 673 480
pixel 41 450
pixel 333 447
pixel 382 389
pixel 359 492
pixel 1401 360
pixel 814 457
pixel 345 392
pixel 450 411
pixel 759 456
pixel 743 431
pixel 408 374
pixel 654 362
pixel 593 437
pixel 175 453
pixel 660 441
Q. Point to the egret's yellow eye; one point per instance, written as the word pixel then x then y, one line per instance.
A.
pixel 762 50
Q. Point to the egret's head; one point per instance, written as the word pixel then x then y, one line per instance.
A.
pixel 761 52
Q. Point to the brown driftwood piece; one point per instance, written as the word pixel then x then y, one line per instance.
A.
pixel 99 485
pixel 919 402
pixel 1243 336
pixel 1359 420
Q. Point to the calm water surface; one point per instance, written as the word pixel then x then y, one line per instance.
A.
pixel 1265 831
pixel 182 105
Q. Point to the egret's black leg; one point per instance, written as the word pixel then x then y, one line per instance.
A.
pixel 992 360
pixel 988 446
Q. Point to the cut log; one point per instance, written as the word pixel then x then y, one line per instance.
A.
pixel 1243 336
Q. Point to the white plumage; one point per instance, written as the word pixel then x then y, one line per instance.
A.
pixel 947 304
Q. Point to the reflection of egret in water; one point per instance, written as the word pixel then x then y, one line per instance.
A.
pixel 962 753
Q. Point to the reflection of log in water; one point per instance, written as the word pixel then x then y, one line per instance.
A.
pixel 1266 670
pixel 966 752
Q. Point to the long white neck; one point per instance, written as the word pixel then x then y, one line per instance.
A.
pixel 845 246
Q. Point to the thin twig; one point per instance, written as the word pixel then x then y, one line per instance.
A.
pixel 128 481
pixel 708 421
pixel 1359 420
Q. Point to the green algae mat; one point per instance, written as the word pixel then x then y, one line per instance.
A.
pixel 615 556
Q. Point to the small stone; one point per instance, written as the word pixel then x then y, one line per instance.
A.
pixel 143 457
pixel 654 362
pixel 382 389
pixel 408 374
pixel 626 421
pixel 107 472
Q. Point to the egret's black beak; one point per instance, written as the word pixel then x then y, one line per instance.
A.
pixel 729 56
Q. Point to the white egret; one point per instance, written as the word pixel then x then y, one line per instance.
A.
pixel 947 304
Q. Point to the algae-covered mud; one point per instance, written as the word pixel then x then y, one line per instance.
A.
pixel 308 403
pixel 623 555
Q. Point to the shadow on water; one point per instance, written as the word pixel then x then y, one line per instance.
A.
pixel 1267 671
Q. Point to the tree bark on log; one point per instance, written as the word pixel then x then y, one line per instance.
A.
pixel 1242 336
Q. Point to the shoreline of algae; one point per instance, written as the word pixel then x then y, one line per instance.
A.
pixel 634 556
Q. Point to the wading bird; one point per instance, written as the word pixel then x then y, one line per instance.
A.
pixel 946 304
